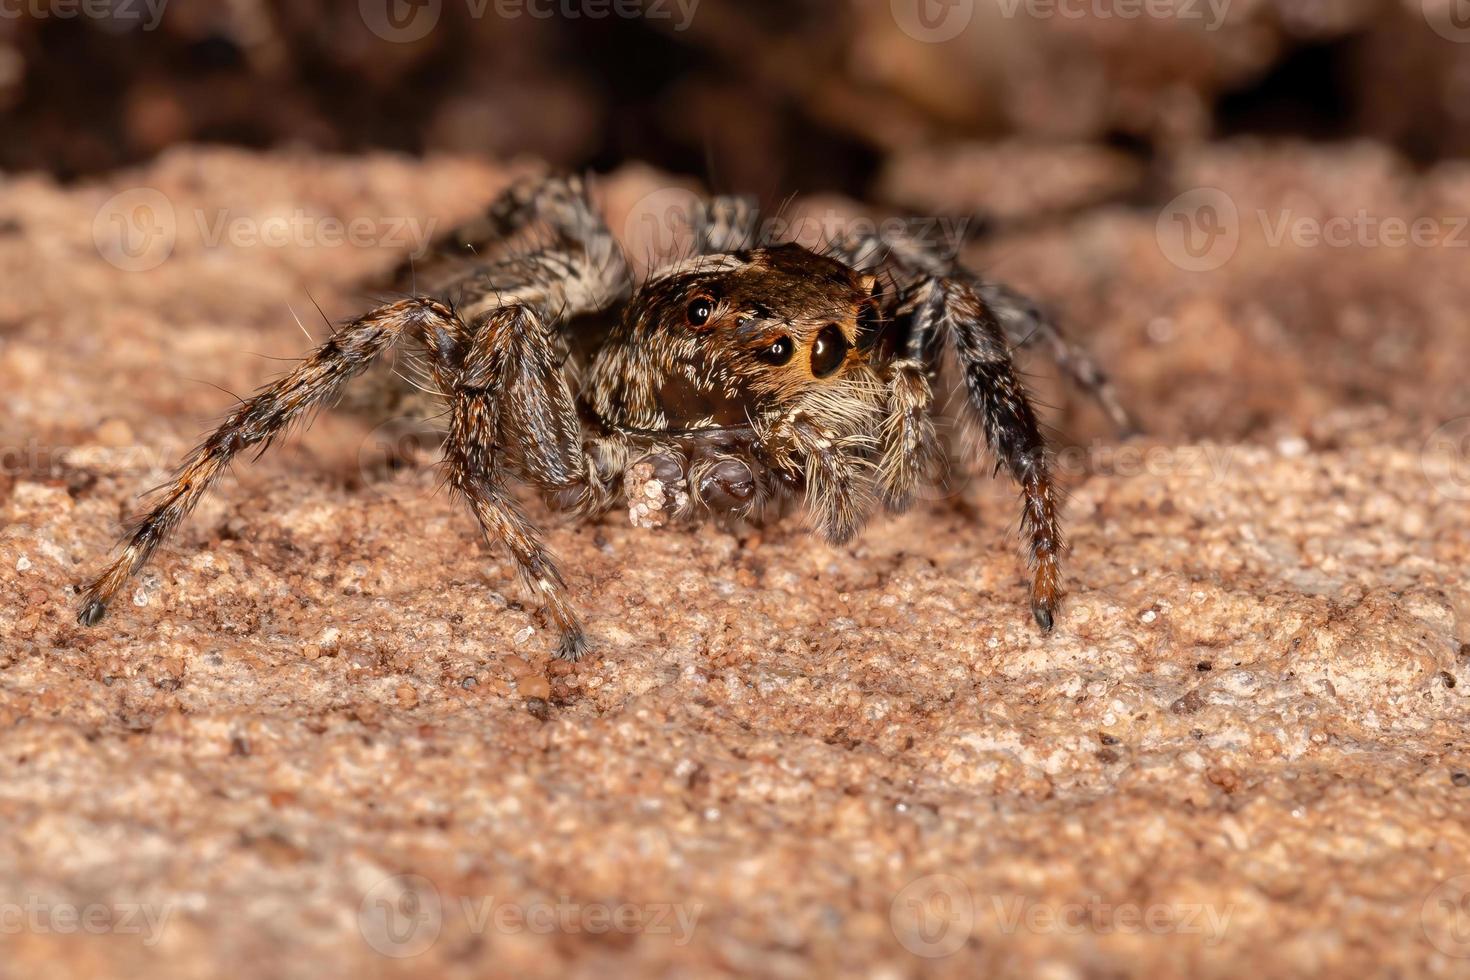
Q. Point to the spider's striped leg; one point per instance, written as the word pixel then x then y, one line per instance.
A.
pixel 948 315
pixel 511 411
pixel 1026 325
pixel 560 204
pixel 1024 322
pixel 726 223
pixel 262 417
pixel 558 200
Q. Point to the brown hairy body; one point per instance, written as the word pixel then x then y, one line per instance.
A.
pixel 728 384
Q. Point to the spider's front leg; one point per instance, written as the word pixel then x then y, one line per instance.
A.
pixel 947 314
pixel 909 449
pixel 1027 324
pixel 1023 322
pixel 511 410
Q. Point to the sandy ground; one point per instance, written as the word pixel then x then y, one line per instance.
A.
pixel 325 737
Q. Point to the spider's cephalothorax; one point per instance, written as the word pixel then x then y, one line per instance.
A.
pixel 728 384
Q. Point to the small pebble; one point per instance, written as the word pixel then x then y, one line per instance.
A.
pixel 1292 447
pixel 534 686
pixel 114 433
pixel 22 563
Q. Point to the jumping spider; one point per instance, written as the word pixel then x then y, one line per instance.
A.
pixel 726 383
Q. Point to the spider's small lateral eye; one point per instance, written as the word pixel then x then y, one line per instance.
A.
pixel 700 311
pixel 778 352
pixel 829 350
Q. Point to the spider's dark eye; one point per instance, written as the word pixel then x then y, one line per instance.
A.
pixel 829 351
pixel 700 311
pixel 778 352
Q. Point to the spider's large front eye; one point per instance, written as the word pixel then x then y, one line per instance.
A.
pixel 829 350
pixel 778 351
pixel 700 311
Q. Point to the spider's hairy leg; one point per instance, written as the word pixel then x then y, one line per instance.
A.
pixel 559 200
pixel 909 449
pixel 510 409
pixel 258 420
pixel 559 203
pixel 950 310
pixel 726 223
pixel 1026 324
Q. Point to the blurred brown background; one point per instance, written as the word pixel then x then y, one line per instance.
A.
pixel 771 96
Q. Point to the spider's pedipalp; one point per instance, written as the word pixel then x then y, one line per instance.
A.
pixel 824 444
pixel 909 448
pixel 262 417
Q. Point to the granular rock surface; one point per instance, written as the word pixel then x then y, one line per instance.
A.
pixel 325 736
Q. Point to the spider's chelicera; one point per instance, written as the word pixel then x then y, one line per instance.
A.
pixel 728 383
